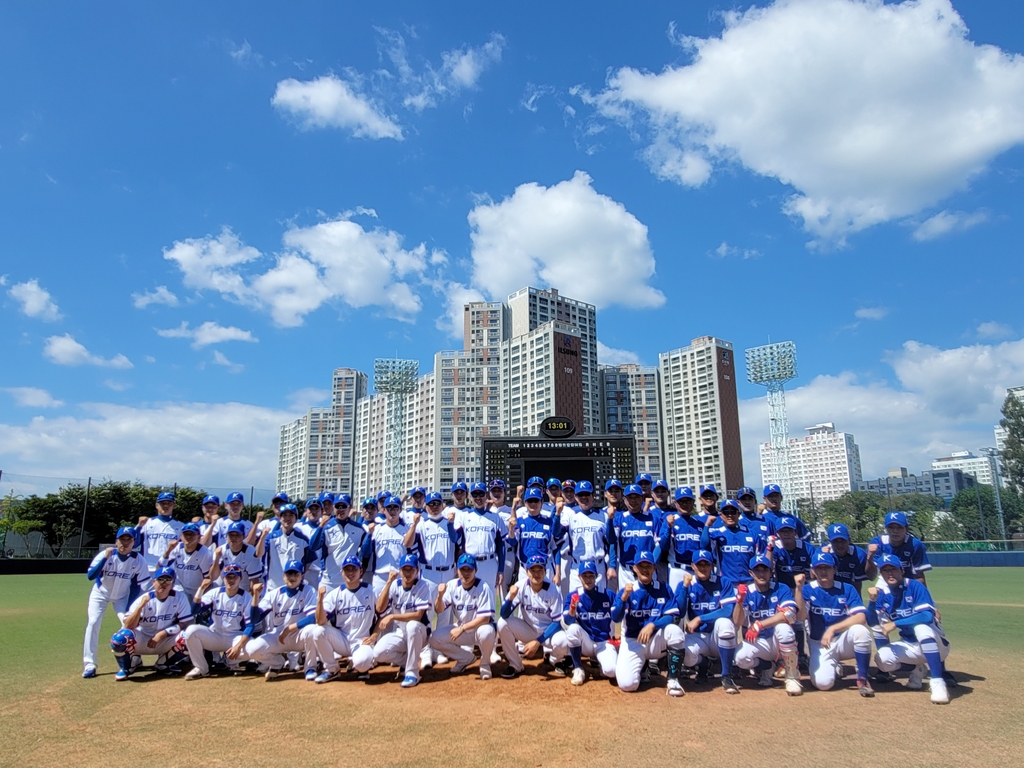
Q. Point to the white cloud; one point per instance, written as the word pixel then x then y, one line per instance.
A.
pixel 185 443
pixel 532 94
pixel 944 222
pixel 160 296
pixel 220 359
pixel 870 111
pixel 457 296
pixel 724 250
pixel 32 397
pixel 994 330
pixel 213 262
pixel 610 356
pixel 244 53
pixel 463 67
pixel 206 334
pixel 35 301
pixel 64 350
pixel 330 102
pixel 301 399
pixel 117 386
pixel 563 235
pixel 871 313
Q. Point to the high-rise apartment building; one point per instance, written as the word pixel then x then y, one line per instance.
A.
pixel 629 398
pixel 700 415
pixel 943 483
pixel 824 464
pixel 968 463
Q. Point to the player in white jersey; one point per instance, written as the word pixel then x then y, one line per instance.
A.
pixel 236 552
pixel 417 499
pixel 567 501
pixel 498 505
pixel 288 616
pixel 218 534
pixel 190 560
pixel 340 538
pixel 344 623
pixel 211 506
pixel 402 626
pixel 460 498
pixel 281 544
pixel 155 533
pixel 230 608
pixel 586 529
pixel 154 621
pixel 472 602
pixel 267 519
pixel 483 536
pixel 308 524
pixel 540 613
pixel 387 544
pixel 119 575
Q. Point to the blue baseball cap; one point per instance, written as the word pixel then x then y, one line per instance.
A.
pixel 418 489
pixel 291 508
pixel 709 488
pixel 342 498
pixel 890 560
pixel 770 489
pixel 729 504
pixel 684 492
pixel 838 531
pixel 353 562
pixel 165 496
pixel 899 518
pixel 459 486
pixel 533 493
pixel 823 558
pixel 326 498
pixel 643 477
pixel 659 483
pixel 554 481
pixel 478 488
pixel 785 522
pixel 584 486
pixel 535 481
pixel 760 560
pixel 633 490
pixel 163 573
pixel 588 566
pixel 234 496
pixel 280 496
pixel 392 501
pixel 467 560
pixel 230 568
pixel 536 560
pixel 191 528
pixel 314 502
pixel 434 496
pixel 237 527
pixel 409 560
pixel 746 490
pixel 381 495
pixel 294 565
pixel 369 501
pixel 644 557
pixel 613 483
pixel 125 530
pixel 702 556
pixel 211 500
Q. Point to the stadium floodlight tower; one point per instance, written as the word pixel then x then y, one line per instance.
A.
pixel 397 379
pixel 772 366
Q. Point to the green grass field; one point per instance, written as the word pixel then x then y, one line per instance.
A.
pixel 51 716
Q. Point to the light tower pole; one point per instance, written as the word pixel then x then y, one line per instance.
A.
pixel 396 378
pixel 772 366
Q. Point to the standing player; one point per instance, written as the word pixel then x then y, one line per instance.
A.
pixel 119 575
pixel 152 624
pixel 211 506
pixel 434 537
pixel 338 539
pixel 230 608
pixel 536 532
pixel 906 606
pixel 587 625
pixel 540 613
pixel 709 603
pixel 191 562
pixel 344 623
pixel 770 609
pixel 647 609
pixel 613 496
pixel 472 602
pixel 732 543
pixel 267 519
pixel 402 626
pixel 387 544
pixel 747 499
pixel 459 493
pixel 898 541
pixel 634 531
pixel 282 544
pixel 218 535
pixel 500 507
pixel 309 524
pixel 483 536
pixel 287 613
pixel 853 566
pixel 156 533
pixel 684 530
pixel 236 552
pixel 418 506
pixel 772 495
pixel 587 535
pixel 838 626
pixel 709 500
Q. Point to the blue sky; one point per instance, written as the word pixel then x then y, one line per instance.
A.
pixel 208 208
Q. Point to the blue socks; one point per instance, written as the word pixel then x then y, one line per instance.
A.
pixel 725 655
pixel 863 663
pixel 577 657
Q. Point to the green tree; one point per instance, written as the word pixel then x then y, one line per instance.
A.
pixel 964 510
pixel 921 513
pixel 863 512
pixel 13 520
pixel 1013 451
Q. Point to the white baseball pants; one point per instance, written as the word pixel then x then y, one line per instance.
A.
pixel 766 648
pixel 633 655
pixel 889 657
pixel 704 645
pixel 328 640
pixel 603 651
pixel 199 638
pixel 270 650
pixel 402 645
pixel 96 608
pixel 462 650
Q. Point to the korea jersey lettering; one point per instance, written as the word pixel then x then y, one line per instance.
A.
pixel 483 534
pixel 228 614
pixel 467 604
pixel 645 604
pixel 911 554
pixel 220 529
pixel 167 614
pixel 338 540
pixel 388 548
pixel 190 568
pixel 634 533
pixel 538 609
pixel 536 535
pixel 351 611
pixel 155 535
pixel 402 600
pixel 707 598
pixel 436 541
pixel 684 534
pixel 850 568
pixel 245 558
pixel 119 578
pixel 909 601
pixel 593 612
pixel 733 548
pixel 587 534
pixel 789 562
pixel 763 605
pixel 284 605
pixel 826 607
pixel 279 548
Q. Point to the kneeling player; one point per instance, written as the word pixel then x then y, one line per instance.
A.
pixel 402 607
pixel 344 621
pixel 152 626
pixel 230 608
pixel 647 610
pixel 771 609
pixel 838 624
pixel 587 625
pixel 287 613
pixel 472 604
pixel 707 606
pixel 540 613
pixel 907 606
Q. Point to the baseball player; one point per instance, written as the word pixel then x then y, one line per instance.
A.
pixel 747 499
pixel 838 625
pixel 586 530
pixel 732 543
pixel 536 533
pixel 770 609
pixel 633 531
pixel 709 499
pixel 483 536
pixel 156 533
pixel 709 603
pixel 659 500
pixel 613 496
pixel 309 524
pixel 119 575
pixel 898 541
pixel 337 539
pixel 645 481
pixel 434 538
pixel 684 529
pixel 792 556
pixel 287 613
pixel 647 609
pixel 280 544
pixel 267 519
pixel 153 623
pixel 211 506
pixel 853 566
pixel 500 507
pixel 368 510
pixel 402 626
pixel 236 552
pixel 418 506
pixel 540 613
pixel 472 602
pixel 906 606
pixel 459 493
pixel 587 624
pixel 218 534
pixel 553 490
pixel 772 495
pixel 387 544
pixel 191 562
pixel 344 623
pixel 563 555
pixel 230 608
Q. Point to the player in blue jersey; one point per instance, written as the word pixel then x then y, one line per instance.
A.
pixel 732 543
pixel 540 612
pixel 230 608
pixel 337 539
pixel 647 609
pixel 587 624
pixel 434 538
pixel 684 528
pixel 853 566
pixel 535 533
pixel 613 496
pixel 770 609
pixel 709 499
pixel 345 618
pixel 402 624
pixel 906 606
pixel 772 495
pixel 709 601
pixel 897 541
pixel 553 493
pixel 280 544
pixel 838 627
pixel 792 556
pixel 633 531
pixel 646 483
pixel 287 615
pixel 155 619
pixel 119 575
pixel 747 499
pixel 586 534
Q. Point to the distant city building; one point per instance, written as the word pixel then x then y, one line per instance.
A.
pixel 943 483
pixel 824 464
pixel 629 396
pixel 978 466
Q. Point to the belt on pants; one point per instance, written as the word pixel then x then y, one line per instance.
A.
pixel 439 568
pixel 484 558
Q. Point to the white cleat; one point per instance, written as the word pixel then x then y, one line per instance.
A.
pixel 939 693
pixel 194 674
pixel 485 673
pixel 579 676
pixel 674 688
pixel 793 687
pixel 916 680
pixel 495 657
pixel 441 659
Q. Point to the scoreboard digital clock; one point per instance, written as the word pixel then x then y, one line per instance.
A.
pixel 557 427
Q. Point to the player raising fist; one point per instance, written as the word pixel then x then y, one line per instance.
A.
pixel 472 603
pixel 770 609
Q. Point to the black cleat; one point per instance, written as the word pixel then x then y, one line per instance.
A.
pixel 729 685
pixel 511 673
